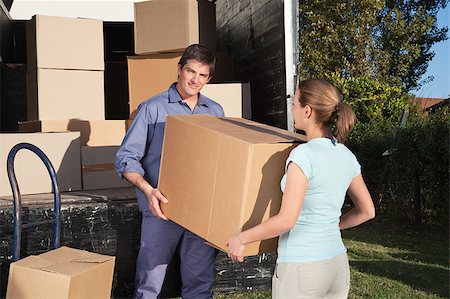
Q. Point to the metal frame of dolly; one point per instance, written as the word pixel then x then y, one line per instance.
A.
pixel 18 222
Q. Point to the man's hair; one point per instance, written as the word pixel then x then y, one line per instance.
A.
pixel 201 54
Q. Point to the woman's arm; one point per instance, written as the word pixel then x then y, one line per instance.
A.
pixel 291 205
pixel 363 209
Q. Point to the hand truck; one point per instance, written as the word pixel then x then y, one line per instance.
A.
pixel 18 222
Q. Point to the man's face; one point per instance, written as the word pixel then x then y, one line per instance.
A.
pixel 192 77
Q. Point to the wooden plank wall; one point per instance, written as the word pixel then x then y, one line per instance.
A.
pixel 253 32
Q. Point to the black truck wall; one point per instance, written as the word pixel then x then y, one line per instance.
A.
pixel 253 32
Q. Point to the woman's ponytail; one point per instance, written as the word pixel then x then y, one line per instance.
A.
pixel 330 111
pixel 345 120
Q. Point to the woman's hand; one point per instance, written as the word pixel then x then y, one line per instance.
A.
pixel 235 249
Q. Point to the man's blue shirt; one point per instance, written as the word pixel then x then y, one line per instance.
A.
pixel 141 148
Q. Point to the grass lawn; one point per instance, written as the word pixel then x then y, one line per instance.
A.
pixel 391 261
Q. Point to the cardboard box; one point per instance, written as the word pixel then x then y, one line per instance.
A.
pixel 235 98
pixel 98 168
pixel 93 132
pixel 65 94
pixel 171 26
pixel 63 151
pixel 64 43
pixel 63 273
pixel 228 177
pixel 150 75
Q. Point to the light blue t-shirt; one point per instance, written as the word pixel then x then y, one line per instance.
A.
pixel 329 167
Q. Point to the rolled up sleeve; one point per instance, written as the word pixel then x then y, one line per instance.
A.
pixel 133 148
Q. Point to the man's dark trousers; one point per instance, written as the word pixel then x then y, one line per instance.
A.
pixel 159 241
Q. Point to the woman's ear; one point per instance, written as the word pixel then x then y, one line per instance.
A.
pixel 308 111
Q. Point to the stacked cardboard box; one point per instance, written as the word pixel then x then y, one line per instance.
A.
pixel 65 92
pixel 63 151
pixel 191 22
pixel 159 45
pixel 95 136
pixel 65 68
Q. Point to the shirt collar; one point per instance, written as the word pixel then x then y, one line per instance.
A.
pixel 174 96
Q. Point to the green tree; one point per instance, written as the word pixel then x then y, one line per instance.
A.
pixel 386 40
pixel 371 99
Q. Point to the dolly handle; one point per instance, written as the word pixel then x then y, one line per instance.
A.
pixel 18 225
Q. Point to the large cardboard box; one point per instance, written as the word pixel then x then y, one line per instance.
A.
pixel 64 43
pixel 65 94
pixel 228 177
pixel 93 132
pixel 172 25
pixel 63 151
pixel 149 75
pixel 98 168
pixel 63 273
pixel 235 98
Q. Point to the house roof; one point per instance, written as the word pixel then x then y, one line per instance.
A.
pixel 427 103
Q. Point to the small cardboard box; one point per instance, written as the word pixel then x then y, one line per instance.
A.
pixel 63 273
pixel 227 178
pixel 98 168
pixel 64 43
pixel 65 94
pixel 63 151
pixel 149 75
pixel 93 132
pixel 171 26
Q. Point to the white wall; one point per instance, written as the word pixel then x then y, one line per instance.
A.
pixel 106 10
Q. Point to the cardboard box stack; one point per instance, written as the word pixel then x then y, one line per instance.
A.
pixel 65 92
pixel 97 163
pixel 65 68
pixel 159 45
pixel 231 171
pixel 65 78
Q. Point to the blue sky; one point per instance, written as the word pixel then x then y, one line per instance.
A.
pixel 439 67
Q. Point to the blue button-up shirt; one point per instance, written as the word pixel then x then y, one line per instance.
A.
pixel 141 148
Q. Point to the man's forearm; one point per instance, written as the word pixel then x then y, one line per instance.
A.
pixel 138 181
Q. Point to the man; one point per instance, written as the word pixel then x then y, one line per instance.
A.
pixel 138 161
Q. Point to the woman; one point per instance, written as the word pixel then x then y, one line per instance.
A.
pixel 312 260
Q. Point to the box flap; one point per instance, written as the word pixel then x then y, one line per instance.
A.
pixel 73 268
pixel 65 261
pixel 62 254
pixel 34 262
pixel 255 133
pixel 90 257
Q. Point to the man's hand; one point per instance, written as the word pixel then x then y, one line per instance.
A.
pixel 154 199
